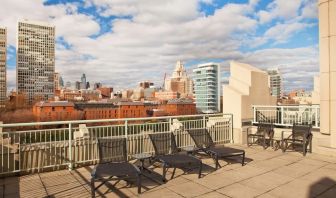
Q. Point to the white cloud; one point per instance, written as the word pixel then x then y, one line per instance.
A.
pixel 281 32
pixel 264 16
pixel 297 65
pixel 309 9
pixel 145 44
pixel 208 2
pixel 280 9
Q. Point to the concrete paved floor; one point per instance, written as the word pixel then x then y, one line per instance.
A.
pixel 267 173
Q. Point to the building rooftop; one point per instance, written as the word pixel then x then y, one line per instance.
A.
pixel 267 173
pixel 55 104
pixel 180 101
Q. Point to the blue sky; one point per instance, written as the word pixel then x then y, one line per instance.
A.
pixel 122 42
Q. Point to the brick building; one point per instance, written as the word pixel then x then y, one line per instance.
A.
pixel 69 95
pixel 55 111
pixel 63 110
pixel 166 95
pixel 97 110
pixel 179 107
pixel 105 91
pixel 135 109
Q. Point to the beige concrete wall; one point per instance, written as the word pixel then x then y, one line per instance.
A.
pixel 316 91
pixel 247 86
pixel 327 30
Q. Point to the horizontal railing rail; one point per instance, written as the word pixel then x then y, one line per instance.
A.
pixel 287 115
pixel 71 145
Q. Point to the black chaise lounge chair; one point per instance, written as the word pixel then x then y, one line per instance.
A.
pixel 263 135
pixel 167 153
pixel 205 143
pixel 113 164
pixel 301 137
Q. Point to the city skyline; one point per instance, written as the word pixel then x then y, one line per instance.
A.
pixel 269 34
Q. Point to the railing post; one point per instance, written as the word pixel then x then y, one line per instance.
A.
pixel 316 117
pixel 70 166
pixel 170 124
pixel 282 115
pixel 204 122
pixel 231 122
pixel 254 114
pixel 126 134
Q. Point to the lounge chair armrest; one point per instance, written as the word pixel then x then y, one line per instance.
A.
pixel 93 172
pixel 248 129
pixel 136 168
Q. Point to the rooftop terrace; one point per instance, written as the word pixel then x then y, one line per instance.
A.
pixel 267 173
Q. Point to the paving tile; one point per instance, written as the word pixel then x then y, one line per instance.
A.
pixel 249 171
pixel 109 190
pixel 298 188
pixel 73 189
pixel 313 162
pixel 213 194
pixel 266 195
pixel 270 164
pixel 189 189
pixel 239 191
pixel 266 182
pixel 176 181
pixel 261 157
pixel 59 180
pixel 34 193
pixel 296 170
pixel 30 185
pixel 219 180
pixel 330 166
pixel 290 158
pixel 323 176
pixel 320 157
pixel 165 193
pixel 331 193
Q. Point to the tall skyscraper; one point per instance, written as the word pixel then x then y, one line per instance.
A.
pixel 275 82
pixel 207 87
pixel 35 60
pixel 61 82
pixel 78 85
pixel 83 82
pixel 179 81
pixel 56 81
pixel 3 59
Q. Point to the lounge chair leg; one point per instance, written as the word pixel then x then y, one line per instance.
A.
pixel 200 170
pixel 139 183
pixel 92 188
pixel 164 173
pixel 283 146
pixel 243 160
pixel 173 173
pixel 217 164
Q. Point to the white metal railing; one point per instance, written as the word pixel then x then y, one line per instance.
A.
pixel 59 146
pixel 287 115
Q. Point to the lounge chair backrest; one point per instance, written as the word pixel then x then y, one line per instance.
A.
pixel 112 150
pixel 164 143
pixel 265 127
pixel 201 137
pixel 301 131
